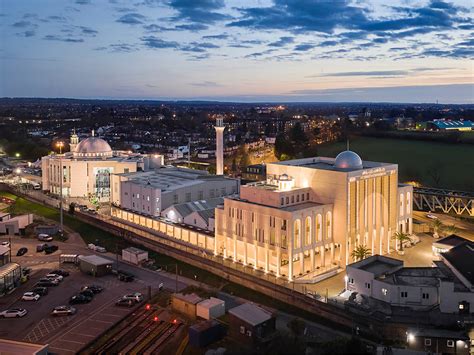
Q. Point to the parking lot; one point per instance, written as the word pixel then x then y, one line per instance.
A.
pixel 68 334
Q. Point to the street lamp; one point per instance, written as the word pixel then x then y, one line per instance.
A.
pixel 60 145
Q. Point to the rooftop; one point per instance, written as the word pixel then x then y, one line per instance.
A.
pixel 211 302
pixel 461 257
pixel 134 250
pixel 185 209
pixel 378 265
pixel 95 260
pixel 251 313
pixel 415 276
pixel 448 124
pixel 20 347
pixel 451 240
pixel 189 297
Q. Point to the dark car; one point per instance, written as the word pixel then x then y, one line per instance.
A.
pixel 125 276
pixel 87 293
pixel 124 303
pixel 46 283
pixel 61 272
pixel 21 251
pixel 40 247
pixel 42 291
pixel 93 288
pixel 79 299
pixel 50 249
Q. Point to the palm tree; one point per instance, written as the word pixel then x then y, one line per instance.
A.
pixel 451 229
pixel 361 252
pixel 437 227
pixel 401 237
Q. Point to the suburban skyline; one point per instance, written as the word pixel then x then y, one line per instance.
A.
pixel 408 51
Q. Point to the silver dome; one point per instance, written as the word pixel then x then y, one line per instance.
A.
pixel 348 160
pixel 93 147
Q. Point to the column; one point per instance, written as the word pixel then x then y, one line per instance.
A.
pixel 323 257
pixel 256 255
pixel 311 256
pixel 235 247
pixel 245 251
pixel 225 246
pixel 278 262
pixel 267 259
pixel 389 236
pixel 332 253
pixel 381 240
pixel 302 263
pixel 410 225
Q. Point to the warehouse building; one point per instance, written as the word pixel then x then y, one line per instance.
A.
pixel 95 265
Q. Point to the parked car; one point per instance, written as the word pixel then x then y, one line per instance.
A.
pixel 125 303
pixel 93 288
pixel 45 237
pixel 125 276
pixel 431 216
pixel 5 244
pixel 54 276
pixel 42 291
pixel 87 293
pixel 45 282
pixel 61 272
pixel 30 296
pixel 50 249
pixel 91 246
pixel 136 297
pixel 14 313
pixel 79 299
pixel 22 251
pixel 100 249
pixel 63 311
pixel 40 247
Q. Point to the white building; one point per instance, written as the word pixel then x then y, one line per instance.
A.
pixel 310 214
pixel 198 213
pixel 152 192
pixel 87 168
pixel 448 285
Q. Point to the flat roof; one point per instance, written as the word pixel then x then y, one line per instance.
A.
pixel 20 347
pixel 95 260
pixel 327 163
pixel 8 268
pixel 251 313
pixel 4 249
pixel 211 302
pixel 377 265
pixel 134 250
pixel 189 297
pixel 416 276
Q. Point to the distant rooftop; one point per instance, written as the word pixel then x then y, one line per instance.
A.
pixel 415 276
pixel 378 265
pixel 449 124
pixel 189 297
pixel 451 240
pixel 250 313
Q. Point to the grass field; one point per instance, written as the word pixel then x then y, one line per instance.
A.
pixel 416 159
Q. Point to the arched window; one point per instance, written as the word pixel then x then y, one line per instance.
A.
pixel 297 234
pixel 401 204
pixel 319 227
pixel 328 225
pixel 307 230
pixel 408 202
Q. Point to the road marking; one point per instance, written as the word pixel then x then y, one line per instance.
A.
pixel 62 349
pixel 85 335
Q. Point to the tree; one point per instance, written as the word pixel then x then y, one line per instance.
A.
pixel 297 327
pixel 401 238
pixel 361 252
pixel 451 229
pixel 437 227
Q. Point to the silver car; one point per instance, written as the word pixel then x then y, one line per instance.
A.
pixel 14 313
pixel 63 311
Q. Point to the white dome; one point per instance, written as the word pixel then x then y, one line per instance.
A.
pixel 93 147
pixel 348 160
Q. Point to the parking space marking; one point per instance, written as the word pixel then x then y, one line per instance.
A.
pixel 61 350
pixel 44 327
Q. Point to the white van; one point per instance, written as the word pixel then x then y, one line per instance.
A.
pixel 36 186
pixel 45 237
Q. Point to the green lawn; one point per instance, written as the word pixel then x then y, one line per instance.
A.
pixel 416 159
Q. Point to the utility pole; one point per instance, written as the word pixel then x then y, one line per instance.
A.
pixel 61 173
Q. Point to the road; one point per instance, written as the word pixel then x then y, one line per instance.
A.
pixel 465 229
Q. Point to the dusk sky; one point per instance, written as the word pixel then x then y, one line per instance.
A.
pixel 262 50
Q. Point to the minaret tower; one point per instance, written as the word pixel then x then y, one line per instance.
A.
pixel 74 141
pixel 219 145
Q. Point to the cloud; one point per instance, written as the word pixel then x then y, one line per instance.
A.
pixel 197 47
pixel 23 24
pixel 83 2
pixel 193 27
pixel 282 42
pixel 156 43
pixel 199 11
pixel 304 47
pixel 132 18
pixel 217 37
pixel 119 48
pixel 27 33
pixel 63 39
pixel 206 84
pixel 88 31
pixel 369 73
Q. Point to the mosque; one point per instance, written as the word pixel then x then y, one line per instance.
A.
pixel 87 168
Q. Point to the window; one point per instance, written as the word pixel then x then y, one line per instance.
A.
pixel 242 329
pixel 249 333
pixel 126 170
pixel 307 196
pixel 425 296
pixel 427 342
pixel 148 198
pixel 287 200
pixel 126 193
pixel 450 343
pixel 282 201
pixel 297 198
pixel 404 294
pixel 384 291
pixel 367 285
pixel 138 196
pixel 351 280
pixel 133 204
pixel 292 199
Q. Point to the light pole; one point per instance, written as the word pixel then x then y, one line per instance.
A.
pixel 60 145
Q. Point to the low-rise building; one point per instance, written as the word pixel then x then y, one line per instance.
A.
pixel 447 285
pixel 185 304
pixel 447 243
pixel 251 325
pixel 15 225
pixel 95 265
pixel 152 192
pixel 438 341
pixel 450 125
pixel 210 308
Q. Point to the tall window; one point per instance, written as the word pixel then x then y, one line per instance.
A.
pixel 297 234
pixel 328 225
pixel 307 230
pixel 319 225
